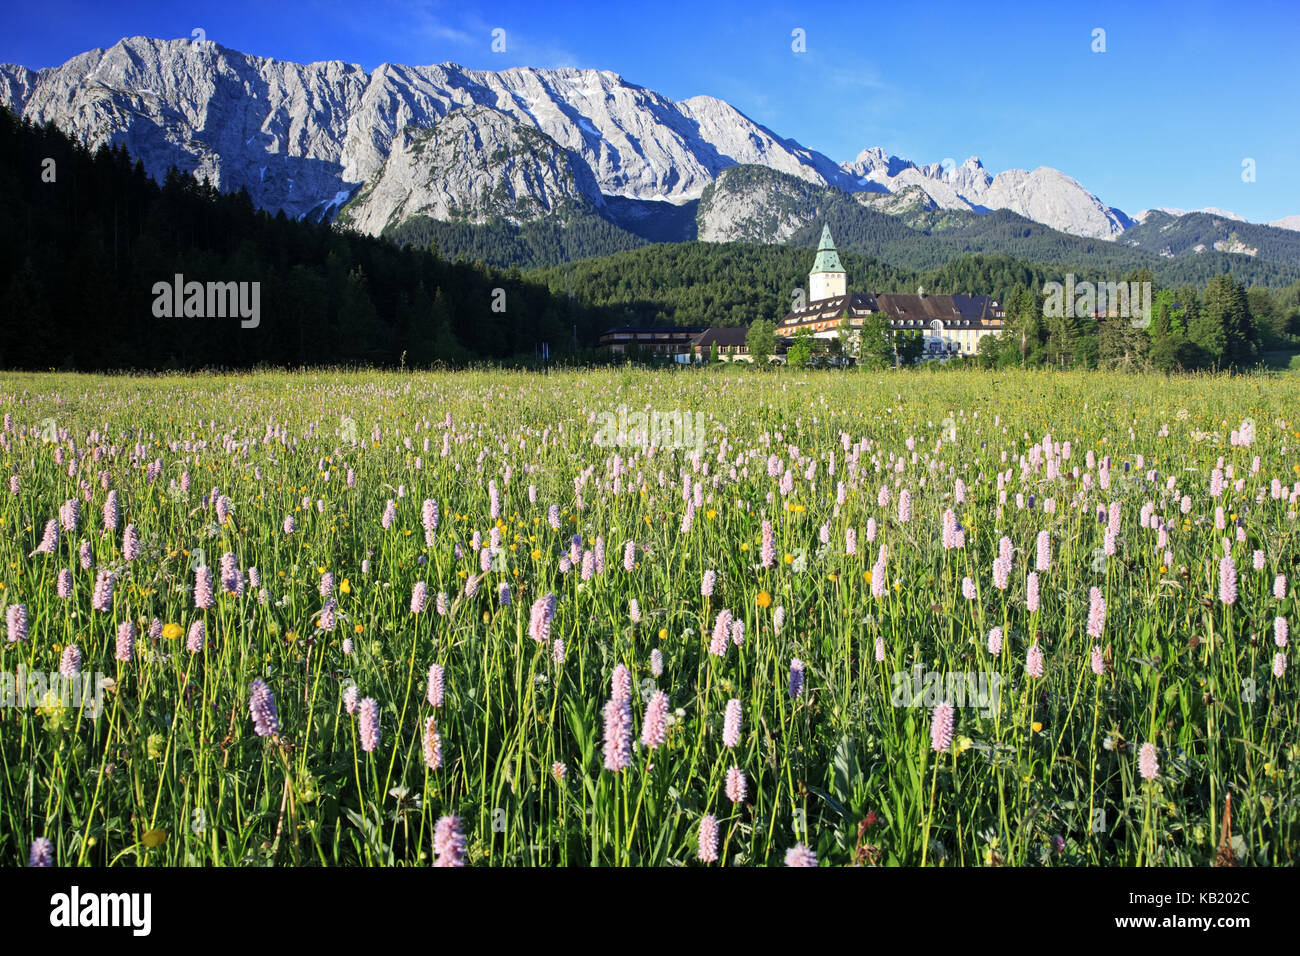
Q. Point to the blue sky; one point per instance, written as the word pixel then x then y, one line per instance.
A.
pixel 1183 94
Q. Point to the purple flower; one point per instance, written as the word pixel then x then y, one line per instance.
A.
pixel 419 598
pixel 800 855
pixel 194 641
pixel 1044 556
pixel 769 545
pixel 736 785
pixel 941 722
pixel 49 540
pixel 203 588
pixel 657 662
pixel 1227 581
pixel 796 677
pixel 1279 665
pixel 70 662
pixel 1098 661
pixel 102 599
pixel 448 842
pixel 539 618
pixel 16 618
pixel 620 683
pixel 110 512
pixel 1148 765
pixel 1031 592
pixel 708 839
pixel 131 547
pixel 435 689
pixel 41 853
pixel 290 526
pixel 390 514
pixel 369 720
pixel 654 728
pixel 261 705
pixel 69 513
pixel 1279 632
pixel 432 745
pixel 878 577
pixel 706 586
pixel 1034 661
pixel 232 579
pixel 350 694
pixel 731 723
pixel 629 557
pixel 721 634
pixel 327 584
pixel 1001 573
pixel 328 614
pixel 125 642
pixel 995 641
pixel 1096 613
pixel 618 734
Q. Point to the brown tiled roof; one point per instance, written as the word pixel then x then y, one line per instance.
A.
pixel 960 310
pixel 722 337
pixel 943 307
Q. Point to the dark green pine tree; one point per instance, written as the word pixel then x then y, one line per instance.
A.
pixel 1241 335
pixel 1205 328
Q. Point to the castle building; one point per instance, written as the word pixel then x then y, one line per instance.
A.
pixel 951 325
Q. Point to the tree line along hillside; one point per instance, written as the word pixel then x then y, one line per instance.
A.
pixel 85 237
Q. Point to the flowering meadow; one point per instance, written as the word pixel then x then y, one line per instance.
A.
pixel 349 618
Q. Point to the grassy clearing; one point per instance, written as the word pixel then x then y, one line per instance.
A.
pixel 1046 770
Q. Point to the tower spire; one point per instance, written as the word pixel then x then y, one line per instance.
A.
pixel 827 279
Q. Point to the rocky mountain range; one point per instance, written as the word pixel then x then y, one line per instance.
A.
pixel 379 148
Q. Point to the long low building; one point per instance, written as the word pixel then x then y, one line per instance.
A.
pixel 950 324
pixel 731 343
pixel 663 340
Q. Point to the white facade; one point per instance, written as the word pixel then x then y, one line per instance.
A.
pixel 826 285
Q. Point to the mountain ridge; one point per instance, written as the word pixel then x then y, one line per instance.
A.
pixel 309 139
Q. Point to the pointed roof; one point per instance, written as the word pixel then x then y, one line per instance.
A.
pixel 828 260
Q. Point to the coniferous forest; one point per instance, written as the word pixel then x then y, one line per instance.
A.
pixel 84 239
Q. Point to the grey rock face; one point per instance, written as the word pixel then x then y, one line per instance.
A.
pixel 304 137
pixel 1045 195
pixel 477 163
